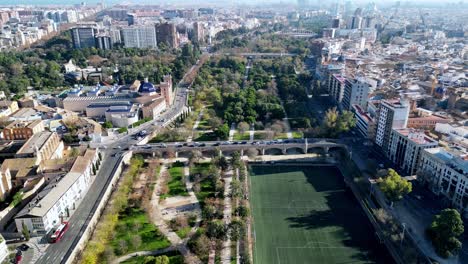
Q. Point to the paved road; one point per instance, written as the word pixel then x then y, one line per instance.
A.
pixel 59 252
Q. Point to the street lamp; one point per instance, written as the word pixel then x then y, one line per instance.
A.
pixel 403 236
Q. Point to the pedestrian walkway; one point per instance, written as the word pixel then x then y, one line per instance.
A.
pixel 252 133
pixel 286 122
pixel 195 126
pixel 145 253
pixel 227 212
pixel 156 217
pixel 232 131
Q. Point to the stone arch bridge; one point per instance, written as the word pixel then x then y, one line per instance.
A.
pixel 322 147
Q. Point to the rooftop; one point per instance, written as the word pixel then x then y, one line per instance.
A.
pixel 29 124
pixel 37 140
pixel 416 136
pixel 455 157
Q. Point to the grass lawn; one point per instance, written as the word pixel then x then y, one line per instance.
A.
pixel 209 136
pixel 135 222
pixel 176 182
pixel 182 233
pixel 203 125
pixel 240 136
pixel 305 215
pixel 295 134
pixel 207 189
pixel 164 138
pixel 174 258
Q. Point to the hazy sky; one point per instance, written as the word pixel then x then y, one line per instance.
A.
pixel 198 2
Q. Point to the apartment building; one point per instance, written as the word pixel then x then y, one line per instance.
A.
pixel 8 107
pixel 364 122
pixel 392 114
pixel 355 93
pixel 60 198
pixel 139 36
pixel 446 172
pixel 167 33
pixel 21 130
pixel 405 148
pixel 336 87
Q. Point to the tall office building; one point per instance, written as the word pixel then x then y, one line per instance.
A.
pixel 83 36
pixel 104 42
pixel 167 33
pixel 355 93
pixel 139 37
pixel 393 114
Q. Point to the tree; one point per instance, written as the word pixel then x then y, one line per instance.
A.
pixel 216 229
pixel 243 127
pixel 222 131
pixel 236 229
pixel 394 186
pixel 25 232
pixel 236 160
pixel 161 260
pixel 444 232
pixel 194 156
pixel 107 124
pixel 336 123
pixel 136 241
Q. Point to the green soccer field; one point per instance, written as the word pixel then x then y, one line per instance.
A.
pixel 304 215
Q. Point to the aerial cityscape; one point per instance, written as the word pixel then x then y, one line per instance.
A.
pixel 233 132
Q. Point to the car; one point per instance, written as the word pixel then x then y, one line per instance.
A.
pixel 22 247
pixel 244 142
pixel 118 147
pixel 216 144
pixel 235 143
pixel 202 145
pixel 226 143
pixel 178 145
pixel 185 144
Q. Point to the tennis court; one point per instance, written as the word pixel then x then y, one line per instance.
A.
pixel 304 215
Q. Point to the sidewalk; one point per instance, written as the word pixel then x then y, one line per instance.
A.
pixel 227 212
pixel 195 126
pixel 232 131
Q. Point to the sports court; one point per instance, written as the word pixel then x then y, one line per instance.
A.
pixel 304 215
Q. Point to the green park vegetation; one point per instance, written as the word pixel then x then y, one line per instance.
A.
pixel 209 188
pixel 41 67
pixel 168 258
pixel 141 121
pixel 170 135
pixel 123 213
pixel 394 186
pixel 122 130
pixel 445 231
pixel 175 184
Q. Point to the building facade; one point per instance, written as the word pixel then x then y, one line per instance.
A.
pixel 336 87
pixel 355 93
pixel 446 173
pixel 59 199
pixel 391 114
pixel 139 37
pixel 18 130
pixel 42 146
pixel 167 33
pixel 405 148
pixel 84 36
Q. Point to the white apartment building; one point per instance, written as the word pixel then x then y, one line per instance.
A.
pixel 336 87
pixel 446 172
pixel 365 124
pixel 55 203
pixel 355 93
pixel 4 252
pixel 392 114
pixel 139 36
pixel 405 148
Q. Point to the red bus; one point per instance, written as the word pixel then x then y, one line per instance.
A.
pixel 58 234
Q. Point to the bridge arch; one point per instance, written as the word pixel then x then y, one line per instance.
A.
pixel 316 150
pixel 295 150
pixel 273 151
